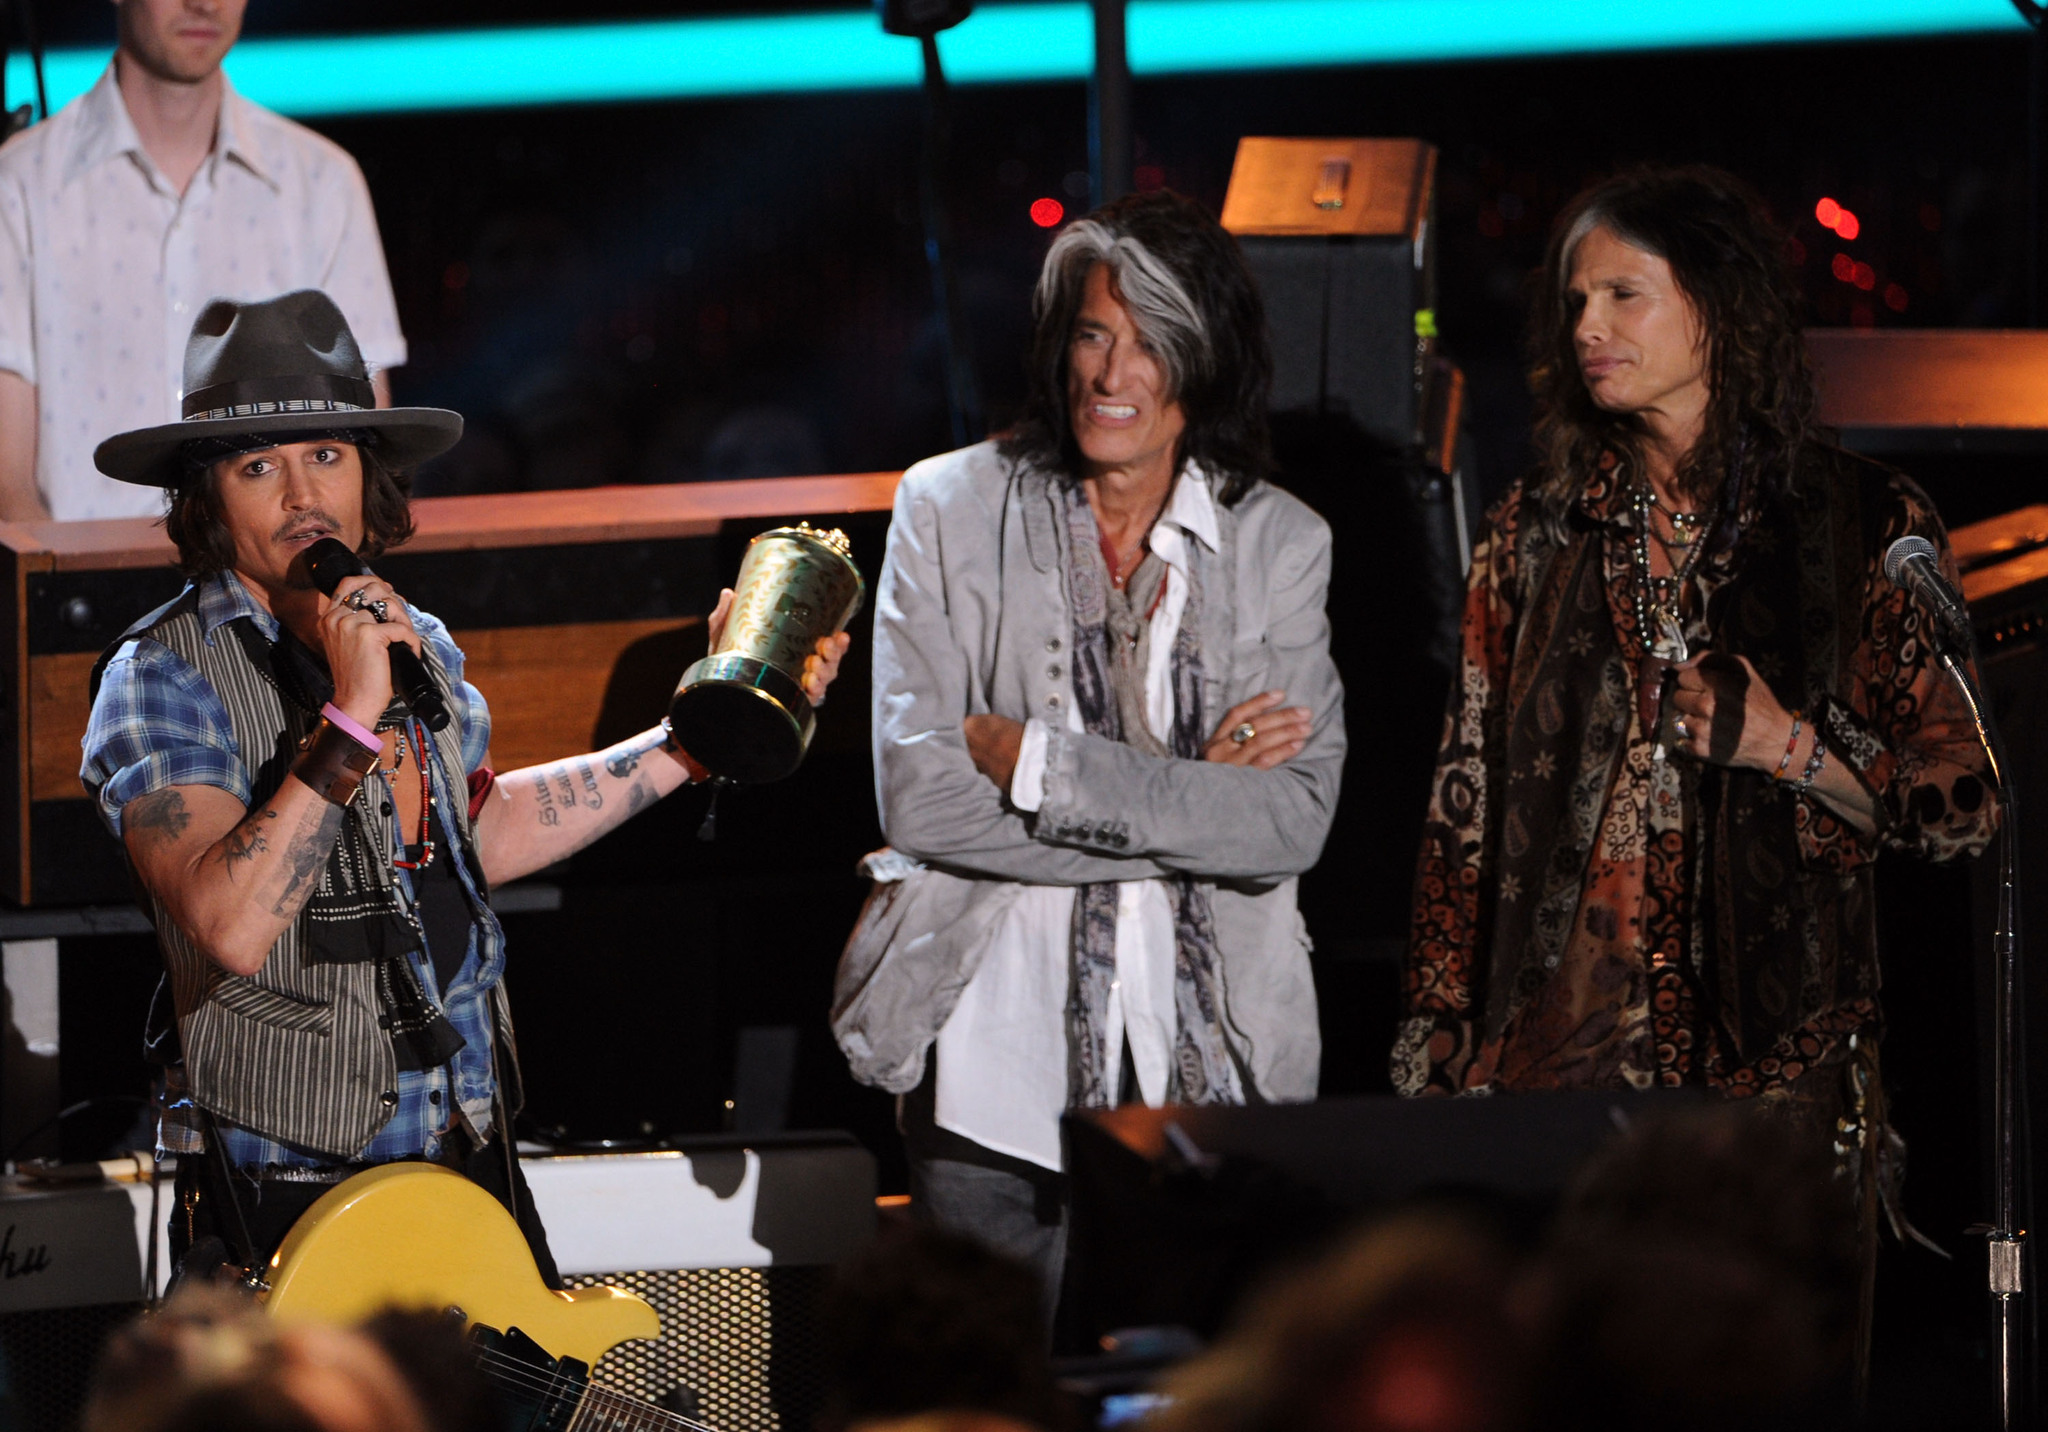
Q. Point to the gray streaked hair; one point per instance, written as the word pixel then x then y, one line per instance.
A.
pixel 1159 302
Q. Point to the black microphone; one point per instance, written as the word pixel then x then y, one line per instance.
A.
pixel 328 561
pixel 1909 563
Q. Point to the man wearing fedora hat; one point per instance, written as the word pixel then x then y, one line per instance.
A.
pixel 316 858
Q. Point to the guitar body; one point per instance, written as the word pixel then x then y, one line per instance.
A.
pixel 422 1236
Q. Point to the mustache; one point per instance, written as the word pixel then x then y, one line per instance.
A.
pixel 304 523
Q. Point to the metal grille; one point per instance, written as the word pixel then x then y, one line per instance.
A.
pixel 47 1359
pixel 743 1342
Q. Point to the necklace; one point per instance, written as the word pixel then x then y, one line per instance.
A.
pixel 1659 600
pixel 1685 526
pixel 426 840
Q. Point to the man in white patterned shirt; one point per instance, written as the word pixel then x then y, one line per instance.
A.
pixel 123 215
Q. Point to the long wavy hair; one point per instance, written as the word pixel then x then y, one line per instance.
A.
pixel 1197 307
pixel 1728 258
pixel 205 546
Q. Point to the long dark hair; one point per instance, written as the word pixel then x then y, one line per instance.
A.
pixel 1222 364
pixel 1729 261
pixel 205 546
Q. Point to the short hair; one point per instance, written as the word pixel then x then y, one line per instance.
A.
pixel 1729 260
pixel 205 547
pixel 1196 305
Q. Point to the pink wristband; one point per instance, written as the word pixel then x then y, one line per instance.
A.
pixel 348 723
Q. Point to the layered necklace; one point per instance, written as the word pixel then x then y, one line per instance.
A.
pixel 1660 614
pixel 417 747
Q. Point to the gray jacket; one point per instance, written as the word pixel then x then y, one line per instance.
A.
pixel 971 616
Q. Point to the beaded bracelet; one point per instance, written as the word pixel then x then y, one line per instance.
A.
pixel 1813 765
pixel 1790 746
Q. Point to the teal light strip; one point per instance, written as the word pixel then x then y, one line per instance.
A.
pixel 1002 43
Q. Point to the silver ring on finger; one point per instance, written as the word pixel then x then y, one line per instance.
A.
pixel 1682 732
pixel 358 599
pixel 1243 732
pixel 380 609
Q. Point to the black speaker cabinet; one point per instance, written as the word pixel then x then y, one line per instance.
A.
pixel 1339 233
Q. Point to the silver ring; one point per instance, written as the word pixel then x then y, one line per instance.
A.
pixel 356 599
pixel 1243 732
pixel 380 609
pixel 1683 733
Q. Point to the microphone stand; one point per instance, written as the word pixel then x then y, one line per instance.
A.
pixel 2006 1279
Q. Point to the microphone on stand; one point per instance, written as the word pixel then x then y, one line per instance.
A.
pixel 1910 563
pixel 328 561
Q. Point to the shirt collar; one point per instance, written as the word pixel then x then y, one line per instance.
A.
pixel 107 131
pixel 222 598
pixel 1191 508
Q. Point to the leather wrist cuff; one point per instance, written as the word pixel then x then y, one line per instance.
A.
pixel 333 762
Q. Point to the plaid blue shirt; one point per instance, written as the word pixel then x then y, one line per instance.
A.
pixel 157 723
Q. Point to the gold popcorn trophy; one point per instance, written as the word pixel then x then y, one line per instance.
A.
pixel 741 712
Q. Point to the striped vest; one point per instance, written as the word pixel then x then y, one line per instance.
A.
pixel 296 1051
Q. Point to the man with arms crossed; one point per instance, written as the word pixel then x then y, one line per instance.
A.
pixel 124 214
pixel 317 862
pixel 1108 726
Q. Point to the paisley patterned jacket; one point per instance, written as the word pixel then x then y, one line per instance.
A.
pixel 1587 915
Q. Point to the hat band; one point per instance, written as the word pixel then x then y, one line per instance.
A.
pixel 293 393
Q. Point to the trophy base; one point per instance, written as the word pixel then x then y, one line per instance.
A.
pixel 742 719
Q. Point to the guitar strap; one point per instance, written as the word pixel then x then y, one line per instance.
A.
pixel 250 1271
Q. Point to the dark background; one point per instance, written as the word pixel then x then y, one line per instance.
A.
pixel 674 292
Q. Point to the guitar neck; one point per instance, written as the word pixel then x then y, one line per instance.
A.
pixel 605 1410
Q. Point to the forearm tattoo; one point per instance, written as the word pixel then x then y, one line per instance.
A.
pixel 305 855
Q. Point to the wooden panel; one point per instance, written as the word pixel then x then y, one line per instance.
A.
pixel 2002 553
pixel 57 711
pixel 519 519
pixel 547 686
pixel 1954 380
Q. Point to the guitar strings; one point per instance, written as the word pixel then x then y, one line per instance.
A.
pixel 513 1371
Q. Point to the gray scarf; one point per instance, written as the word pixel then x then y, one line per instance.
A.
pixel 1112 649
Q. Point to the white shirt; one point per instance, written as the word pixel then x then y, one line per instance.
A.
pixel 103 268
pixel 1002 1078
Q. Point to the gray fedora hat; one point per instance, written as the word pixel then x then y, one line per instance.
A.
pixel 278 366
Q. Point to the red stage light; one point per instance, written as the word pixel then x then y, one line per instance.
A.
pixel 1895 297
pixel 1848 225
pixel 1047 212
pixel 1843 268
pixel 1865 277
pixel 1828 212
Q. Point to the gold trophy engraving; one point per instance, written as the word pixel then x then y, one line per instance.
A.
pixel 741 712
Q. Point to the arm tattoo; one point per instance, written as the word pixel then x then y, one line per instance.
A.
pixel 161 814
pixel 306 856
pixel 245 842
pixel 561 773
pixel 591 795
pixel 638 797
pixel 548 814
pixel 624 763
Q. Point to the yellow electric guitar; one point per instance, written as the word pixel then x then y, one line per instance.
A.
pixel 422 1236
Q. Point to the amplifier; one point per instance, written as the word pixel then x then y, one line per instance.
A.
pixel 72 1267
pixel 1340 234
pixel 732 1242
